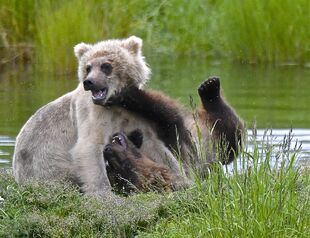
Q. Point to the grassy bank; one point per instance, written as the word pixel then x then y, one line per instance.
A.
pixel 261 201
pixel 247 31
pixel 55 210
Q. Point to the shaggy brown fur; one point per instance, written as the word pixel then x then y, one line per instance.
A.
pixel 165 113
pixel 215 115
pixel 227 128
pixel 129 170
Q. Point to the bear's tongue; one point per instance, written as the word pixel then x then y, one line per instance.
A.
pixel 119 139
pixel 99 94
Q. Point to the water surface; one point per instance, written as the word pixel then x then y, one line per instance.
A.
pixel 270 96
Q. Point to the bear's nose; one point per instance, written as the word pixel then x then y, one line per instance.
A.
pixel 107 149
pixel 88 84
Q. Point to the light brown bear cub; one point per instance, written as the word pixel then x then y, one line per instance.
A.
pixel 64 139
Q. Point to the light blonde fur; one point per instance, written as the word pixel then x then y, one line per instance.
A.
pixel 65 138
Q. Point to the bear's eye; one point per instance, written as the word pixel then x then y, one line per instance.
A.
pixel 106 68
pixel 88 69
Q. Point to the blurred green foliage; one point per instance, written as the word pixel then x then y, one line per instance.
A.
pixel 250 31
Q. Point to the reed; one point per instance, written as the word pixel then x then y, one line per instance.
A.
pixel 263 31
pixel 251 31
pixel 265 197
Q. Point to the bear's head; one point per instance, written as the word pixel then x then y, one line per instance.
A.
pixel 129 171
pixel 119 156
pixel 122 147
pixel 107 67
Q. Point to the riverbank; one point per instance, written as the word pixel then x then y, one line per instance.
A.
pixel 251 31
pixel 257 199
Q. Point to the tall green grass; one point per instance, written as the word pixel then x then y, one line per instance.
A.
pixel 267 196
pixel 262 30
pixel 61 25
pixel 248 31
pixel 17 22
pixel 270 198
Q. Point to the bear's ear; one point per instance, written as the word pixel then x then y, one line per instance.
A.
pixel 136 137
pixel 80 49
pixel 133 44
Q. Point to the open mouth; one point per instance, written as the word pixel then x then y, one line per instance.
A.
pixel 120 140
pixel 99 95
pixel 110 152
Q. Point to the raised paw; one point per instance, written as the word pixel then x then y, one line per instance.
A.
pixel 209 90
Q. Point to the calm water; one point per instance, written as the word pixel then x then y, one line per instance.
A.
pixel 276 97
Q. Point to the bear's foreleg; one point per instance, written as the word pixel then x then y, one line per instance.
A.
pixel 89 167
pixel 158 109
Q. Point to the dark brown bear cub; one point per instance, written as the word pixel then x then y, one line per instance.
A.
pixel 216 119
pixel 130 171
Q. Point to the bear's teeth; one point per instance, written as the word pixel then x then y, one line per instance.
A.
pixel 99 94
pixel 119 140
